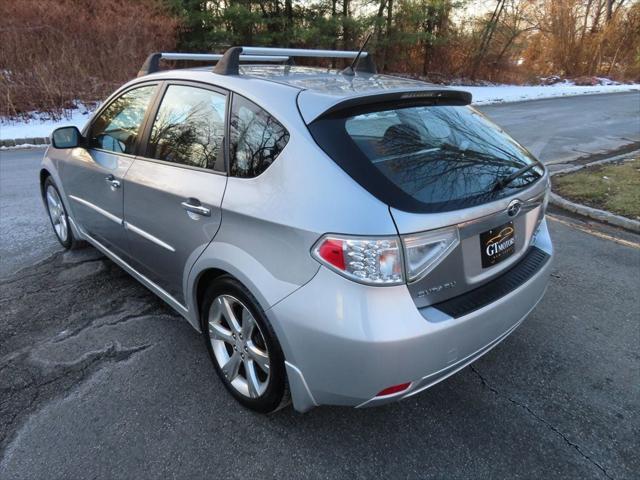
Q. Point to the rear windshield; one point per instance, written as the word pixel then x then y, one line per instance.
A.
pixel 433 158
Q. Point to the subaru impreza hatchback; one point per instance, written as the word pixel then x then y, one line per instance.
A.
pixel 338 237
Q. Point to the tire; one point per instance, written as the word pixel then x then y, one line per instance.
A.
pixel 58 215
pixel 238 350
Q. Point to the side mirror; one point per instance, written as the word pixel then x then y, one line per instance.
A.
pixel 66 137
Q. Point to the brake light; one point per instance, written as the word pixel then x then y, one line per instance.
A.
pixel 373 261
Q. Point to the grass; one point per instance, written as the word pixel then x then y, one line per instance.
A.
pixel 613 187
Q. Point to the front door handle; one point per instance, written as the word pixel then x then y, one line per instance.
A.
pixel 193 205
pixel 111 180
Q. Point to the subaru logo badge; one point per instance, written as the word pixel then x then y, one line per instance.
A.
pixel 514 208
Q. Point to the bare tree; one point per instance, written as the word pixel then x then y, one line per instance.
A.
pixel 487 35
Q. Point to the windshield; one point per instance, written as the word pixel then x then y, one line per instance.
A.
pixel 441 154
pixel 426 159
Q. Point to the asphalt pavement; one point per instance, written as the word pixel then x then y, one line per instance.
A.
pixel 99 379
pixel 564 129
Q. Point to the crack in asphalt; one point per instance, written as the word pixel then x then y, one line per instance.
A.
pixel 8 360
pixel 37 274
pixel 554 429
pixel 51 257
pixel 34 270
pixel 29 271
pixel 28 381
pixel 96 324
pixel 83 368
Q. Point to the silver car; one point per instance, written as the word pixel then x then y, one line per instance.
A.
pixel 339 237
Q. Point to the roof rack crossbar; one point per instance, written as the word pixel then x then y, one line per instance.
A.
pixel 302 52
pixel 214 57
pixel 229 64
pixel 152 63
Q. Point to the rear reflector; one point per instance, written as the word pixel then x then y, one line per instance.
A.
pixel 395 389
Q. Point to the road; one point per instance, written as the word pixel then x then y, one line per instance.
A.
pixel 23 221
pixel 100 379
pixel 563 129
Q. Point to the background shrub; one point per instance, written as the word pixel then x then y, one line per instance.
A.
pixel 54 52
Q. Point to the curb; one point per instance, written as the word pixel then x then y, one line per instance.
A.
pixel 25 142
pixel 596 214
pixel 575 168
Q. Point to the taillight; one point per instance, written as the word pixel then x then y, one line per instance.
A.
pixel 373 261
pixel 423 251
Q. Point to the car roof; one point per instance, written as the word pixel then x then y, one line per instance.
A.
pixel 316 89
pixel 328 81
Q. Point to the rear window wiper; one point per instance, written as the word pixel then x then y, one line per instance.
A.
pixel 504 181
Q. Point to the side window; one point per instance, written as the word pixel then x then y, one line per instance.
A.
pixel 189 127
pixel 256 138
pixel 116 128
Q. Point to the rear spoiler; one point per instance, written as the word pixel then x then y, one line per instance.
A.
pixel 387 101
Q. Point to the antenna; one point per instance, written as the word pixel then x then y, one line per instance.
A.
pixel 351 69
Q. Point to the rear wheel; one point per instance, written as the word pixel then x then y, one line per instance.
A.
pixel 243 347
pixel 58 215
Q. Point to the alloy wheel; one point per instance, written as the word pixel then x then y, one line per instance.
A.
pixel 57 213
pixel 239 346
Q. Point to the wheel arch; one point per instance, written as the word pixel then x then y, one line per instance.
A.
pixel 226 258
pixel 202 281
pixel 209 272
pixel 208 269
pixel 43 175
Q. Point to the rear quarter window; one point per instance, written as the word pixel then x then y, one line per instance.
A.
pixel 256 138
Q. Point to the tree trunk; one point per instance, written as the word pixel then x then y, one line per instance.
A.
pixel 383 61
pixel 377 29
pixel 288 11
pixel 334 15
pixel 487 35
pixel 346 41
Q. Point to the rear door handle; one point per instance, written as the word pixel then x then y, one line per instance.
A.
pixel 111 180
pixel 193 205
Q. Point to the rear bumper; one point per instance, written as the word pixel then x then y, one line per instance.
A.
pixel 345 342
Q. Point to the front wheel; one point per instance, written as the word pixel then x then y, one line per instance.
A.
pixel 58 215
pixel 243 346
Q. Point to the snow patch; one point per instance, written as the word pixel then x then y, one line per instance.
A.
pixel 518 93
pixel 23 146
pixel 41 125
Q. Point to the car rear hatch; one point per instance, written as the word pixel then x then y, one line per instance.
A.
pixel 492 239
pixel 465 197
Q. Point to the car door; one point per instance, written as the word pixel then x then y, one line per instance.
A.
pixel 93 176
pixel 174 190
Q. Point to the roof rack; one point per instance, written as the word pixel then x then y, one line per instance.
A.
pixel 230 62
pixel 152 63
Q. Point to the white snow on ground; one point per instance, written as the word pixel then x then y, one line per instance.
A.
pixel 40 126
pixel 518 93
